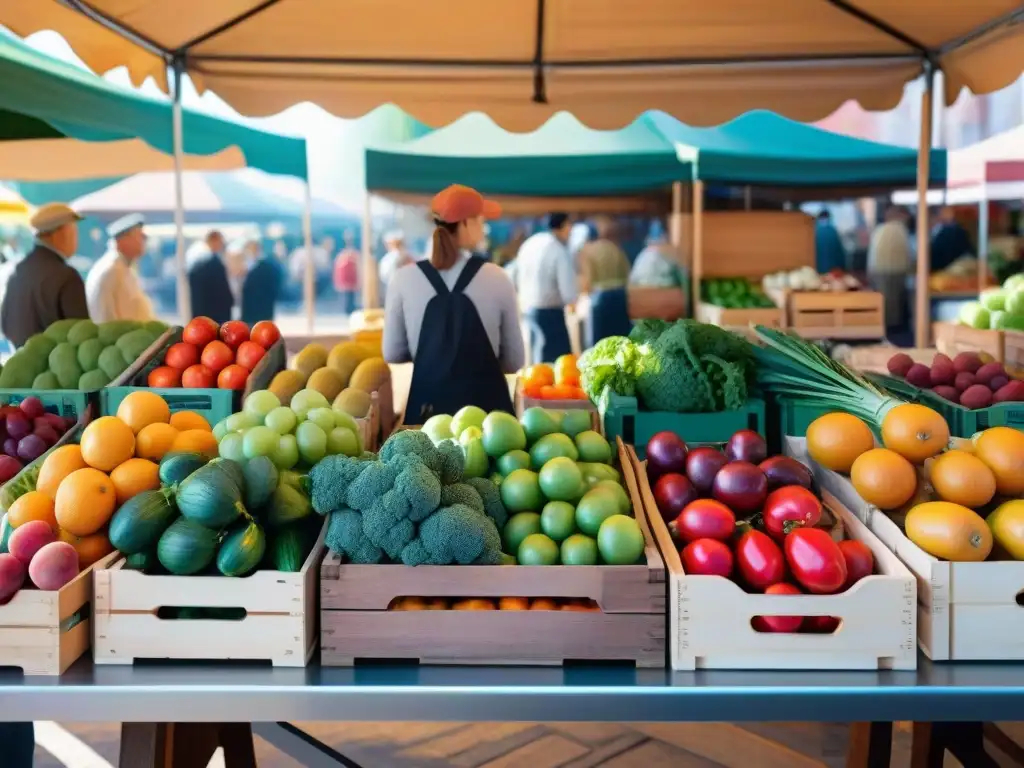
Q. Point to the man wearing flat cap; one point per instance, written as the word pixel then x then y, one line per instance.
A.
pixel 112 287
pixel 44 288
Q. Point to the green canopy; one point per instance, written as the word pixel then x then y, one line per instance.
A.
pixel 44 98
pixel 564 158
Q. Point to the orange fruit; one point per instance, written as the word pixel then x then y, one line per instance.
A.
pixel 60 463
pixel 154 441
pixel 513 604
pixel 884 478
pixel 34 505
pixel 196 441
pixel 915 432
pixel 473 604
pixel 85 501
pixel 949 531
pixel 543 604
pixel 107 442
pixel 1002 450
pixel 963 479
pixel 185 420
pixel 537 376
pixel 140 409
pixel 89 548
pixel 133 477
pixel 835 440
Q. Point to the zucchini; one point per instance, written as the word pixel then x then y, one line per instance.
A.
pixel 138 523
pixel 5 533
pixel 175 467
pixel 210 497
pixel 288 549
pixel 242 550
pixel 261 478
pixel 186 547
pixel 286 506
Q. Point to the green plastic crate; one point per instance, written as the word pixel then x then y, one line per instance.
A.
pixel 212 404
pixel 623 418
pixel 962 421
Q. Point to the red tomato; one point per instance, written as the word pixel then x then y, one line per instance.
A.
pixel 249 353
pixel 198 377
pixel 779 623
pixel 265 333
pixel 816 561
pixel 788 508
pixel 760 560
pixel 707 557
pixel 859 561
pixel 821 625
pixel 233 377
pixel 217 356
pixel 200 331
pixel 703 519
pixel 234 332
pixel 182 355
pixel 164 377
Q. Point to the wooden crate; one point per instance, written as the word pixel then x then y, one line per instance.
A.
pixel 369 425
pixel 44 633
pixel 952 338
pixel 740 318
pixel 356 625
pixel 709 616
pixel 279 625
pixel 965 611
pixel 522 402
pixel 875 359
pixel 836 314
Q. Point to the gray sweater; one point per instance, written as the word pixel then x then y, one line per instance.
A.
pixel 490 291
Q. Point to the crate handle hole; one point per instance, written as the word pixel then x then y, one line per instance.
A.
pixel 199 613
pixel 1020 598
pixel 789 625
pixel 445 603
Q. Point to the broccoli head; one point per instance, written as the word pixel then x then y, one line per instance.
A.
pixel 672 378
pixel 645 331
pixel 491 497
pixel 345 537
pixel 412 441
pixel 455 534
pixel 453 461
pixel 330 479
pixel 462 493
pixel 393 497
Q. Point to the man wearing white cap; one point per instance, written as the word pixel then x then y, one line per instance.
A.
pixel 112 287
pixel 44 288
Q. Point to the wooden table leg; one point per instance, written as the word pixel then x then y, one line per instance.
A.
pixel 966 742
pixel 870 745
pixel 185 745
pixel 239 752
pixel 1005 744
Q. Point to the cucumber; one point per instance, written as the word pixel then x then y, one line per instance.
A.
pixel 5 533
pixel 288 549
pixel 210 497
pixel 286 506
pixel 242 550
pixel 186 547
pixel 142 561
pixel 175 467
pixel 137 525
pixel 261 478
pixel 232 469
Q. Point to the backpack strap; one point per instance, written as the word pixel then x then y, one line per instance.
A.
pixel 432 275
pixel 468 273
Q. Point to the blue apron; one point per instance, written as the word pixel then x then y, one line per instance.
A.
pixel 549 338
pixel 455 364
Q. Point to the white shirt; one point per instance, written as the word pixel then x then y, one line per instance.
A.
pixel 113 291
pixel 543 273
pixel 889 252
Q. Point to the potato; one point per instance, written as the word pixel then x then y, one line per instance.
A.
pixel 53 566
pixel 29 538
pixel 12 576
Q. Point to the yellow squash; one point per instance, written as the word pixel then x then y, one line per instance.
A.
pixel 949 531
pixel 1007 525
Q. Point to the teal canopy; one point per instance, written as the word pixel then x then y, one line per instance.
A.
pixel 564 158
pixel 43 98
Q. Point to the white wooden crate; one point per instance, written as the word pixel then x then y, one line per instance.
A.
pixel 709 616
pixel 965 611
pixel 280 624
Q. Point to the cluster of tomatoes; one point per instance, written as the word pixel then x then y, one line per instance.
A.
pixel 560 381
pixel 209 356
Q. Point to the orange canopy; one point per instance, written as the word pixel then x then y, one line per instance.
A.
pixel 606 61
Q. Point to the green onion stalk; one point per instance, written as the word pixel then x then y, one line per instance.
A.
pixel 789 366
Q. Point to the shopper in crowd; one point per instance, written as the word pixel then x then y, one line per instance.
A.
pixel 112 288
pixel 261 288
pixel 395 257
pixel 889 261
pixel 456 313
pixel 208 281
pixel 829 252
pixel 346 272
pixel 545 281
pixel 43 287
pixel 603 263
pixel 657 265
pixel 950 241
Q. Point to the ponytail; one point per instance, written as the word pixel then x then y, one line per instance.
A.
pixel 445 251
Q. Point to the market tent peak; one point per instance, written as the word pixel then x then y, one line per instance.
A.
pixel 521 62
pixel 46 100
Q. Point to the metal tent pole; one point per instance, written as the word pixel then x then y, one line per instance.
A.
pixel 369 267
pixel 181 271
pixel 697 271
pixel 983 226
pixel 309 277
pixel 922 313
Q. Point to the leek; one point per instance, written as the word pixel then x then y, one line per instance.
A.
pixel 789 366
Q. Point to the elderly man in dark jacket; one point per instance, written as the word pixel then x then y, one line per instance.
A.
pixel 208 282
pixel 43 288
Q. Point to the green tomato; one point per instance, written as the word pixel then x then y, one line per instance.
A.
pixel 305 400
pixel 343 441
pixel 537 549
pixel 579 549
pixel 286 455
pixel 558 520
pixel 260 403
pixel 259 441
pixel 312 442
pixel 323 418
pixel 620 540
pixel 220 429
pixel 342 419
pixel 231 447
pixel 282 420
pixel 236 422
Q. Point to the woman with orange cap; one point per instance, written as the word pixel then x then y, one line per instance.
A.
pixel 454 316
